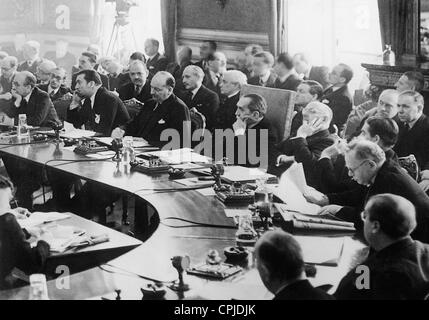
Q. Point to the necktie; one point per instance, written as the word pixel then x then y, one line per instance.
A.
pixel 407 128
pixel 137 91
pixel 23 105
pixel 87 114
pixel 189 96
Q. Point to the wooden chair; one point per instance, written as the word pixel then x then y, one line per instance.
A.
pixel 281 105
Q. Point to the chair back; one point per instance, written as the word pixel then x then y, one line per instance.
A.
pixel 281 104
pixel 411 166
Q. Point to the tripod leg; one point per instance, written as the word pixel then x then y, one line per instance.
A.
pixel 111 37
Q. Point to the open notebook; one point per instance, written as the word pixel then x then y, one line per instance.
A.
pixel 41 218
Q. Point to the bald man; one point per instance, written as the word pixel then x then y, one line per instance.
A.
pixel 398 268
pixel 164 111
pixel 280 265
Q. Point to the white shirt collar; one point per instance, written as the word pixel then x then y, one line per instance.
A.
pixel 27 98
pixel 234 94
pixel 195 91
pixel 53 91
pixel 265 78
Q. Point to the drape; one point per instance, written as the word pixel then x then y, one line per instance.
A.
pixel 277 34
pixel 393 18
pixel 169 27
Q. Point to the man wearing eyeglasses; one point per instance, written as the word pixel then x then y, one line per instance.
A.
pixel 56 87
pixel 8 68
pixel 367 165
pixel 398 266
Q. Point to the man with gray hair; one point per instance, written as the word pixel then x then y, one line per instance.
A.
pixel 44 71
pixel 197 96
pixel 232 83
pixel 399 267
pixel 32 58
pixel 367 165
pixel 312 138
pixel 414 132
pixel 8 67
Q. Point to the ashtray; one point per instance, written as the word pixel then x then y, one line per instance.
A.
pixel 236 253
pixel 176 173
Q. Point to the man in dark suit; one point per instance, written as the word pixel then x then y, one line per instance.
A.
pixel 281 267
pixel 308 91
pixel 309 72
pixel 8 69
pixel 414 132
pixel 33 102
pixel 114 73
pixel 30 100
pixel 254 140
pixel 287 77
pixel 368 166
pixel 59 93
pixel 31 51
pixel 164 111
pixel 198 96
pixel 207 48
pixel 44 70
pixel 312 138
pixel 398 267
pixel 94 107
pixel 137 93
pixel 184 58
pixel 338 96
pixel 230 88
pixel 56 88
pixel 214 73
pixel 88 61
pixel 331 168
pixel 155 62
pixel 262 69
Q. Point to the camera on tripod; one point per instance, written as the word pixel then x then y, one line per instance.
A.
pixel 123 8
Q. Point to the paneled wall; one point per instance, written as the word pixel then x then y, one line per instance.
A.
pixel 240 23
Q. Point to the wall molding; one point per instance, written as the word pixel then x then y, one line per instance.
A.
pixel 231 39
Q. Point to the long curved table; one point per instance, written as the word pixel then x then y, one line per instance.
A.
pixel 129 272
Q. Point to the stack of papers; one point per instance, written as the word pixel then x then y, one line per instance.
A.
pixel 180 156
pixel 245 175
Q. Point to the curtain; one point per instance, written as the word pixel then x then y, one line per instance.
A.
pixel 277 33
pixel 393 19
pixel 169 27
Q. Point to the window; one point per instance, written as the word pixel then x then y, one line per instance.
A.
pixel 333 31
pixel 145 22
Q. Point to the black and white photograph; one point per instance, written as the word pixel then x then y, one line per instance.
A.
pixel 215 155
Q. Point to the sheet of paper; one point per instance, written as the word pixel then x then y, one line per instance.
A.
pixel 290 194
pixel 39 218
pixel 233 213
pixel 297 175
pixel 5 120
pixel 242 174
pixel 180 156
pixel 78 134
pixel 321 250
pixel 101 155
